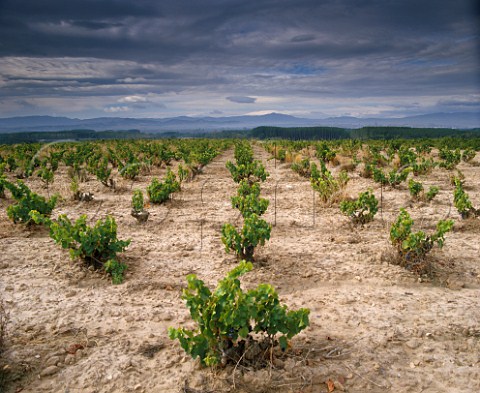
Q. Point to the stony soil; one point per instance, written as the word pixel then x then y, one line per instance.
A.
pixel 375 327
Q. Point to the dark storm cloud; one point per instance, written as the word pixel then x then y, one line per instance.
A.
pixel 83 9
pixel 155 31
pixel 312 48
pixel 303 38
pixel 241 99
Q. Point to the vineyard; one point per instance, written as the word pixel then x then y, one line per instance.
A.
pixel 209 265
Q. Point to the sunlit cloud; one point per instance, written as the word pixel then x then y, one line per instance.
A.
pixel 116 109
pixel 132 99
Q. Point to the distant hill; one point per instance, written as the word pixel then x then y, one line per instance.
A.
pixel 208 124
pixel 459 120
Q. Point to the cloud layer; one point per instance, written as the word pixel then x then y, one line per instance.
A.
pixel 306 57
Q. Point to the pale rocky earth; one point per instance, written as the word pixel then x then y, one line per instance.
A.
pixel 374 326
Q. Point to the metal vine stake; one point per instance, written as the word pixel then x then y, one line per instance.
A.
pixel 275 205
pixel 313 207
pixel 201 190
pixel 201 235
pixel 381 203
pixel 202 218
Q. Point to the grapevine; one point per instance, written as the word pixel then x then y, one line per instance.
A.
pixel 228 316
pixel 361 210
pixel 413 247
pixel 97 246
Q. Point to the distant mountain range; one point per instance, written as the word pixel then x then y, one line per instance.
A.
pixel 459 120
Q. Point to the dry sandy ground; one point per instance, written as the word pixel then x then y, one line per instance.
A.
pixel 375 327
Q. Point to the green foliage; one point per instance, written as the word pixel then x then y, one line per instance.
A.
pixel 253 171
pixel 163 154
pixel 415 188
pixel 423 148
pixel 137 200
pixel 246 167
pixel 417 191
pixel 281 155
pixel 198 154
pixel 468 154
pixel 103 172
pixel 17 190
pixel 254 232
pixel 206 155
pixel 423 167
pixel 159 192
pixel 11 164
pixel 392 178
pixel 450 158
pixel 3 181
pixel 374 156
pixel 455 177
pixel 183 173
pixel 74 186
pixel 97 246
pixel 431 193
pixel 124 158
pixel 130 170
pixel 361 210
pixel 228 314
pixel 395 178
pixel 116 269
pixel 45 174
pixel 379 176
pixel 54 158
pixel 407 156
pixel 413 247
pixel 302 167
pixel 26 201
pixel 248 200
pixel 138 210
pixel 367 171
pixel 324 153
pixel 243 153
pixel 343 178
pixel 323 182
pixel 462 202
pixel 92 244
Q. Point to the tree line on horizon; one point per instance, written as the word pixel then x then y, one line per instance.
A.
pixel 262 132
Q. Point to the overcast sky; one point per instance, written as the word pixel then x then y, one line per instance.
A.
pixel 309 58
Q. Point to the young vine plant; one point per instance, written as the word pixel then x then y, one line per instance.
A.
pixel 159 192
pixel 227 317
pixel 255 231
pixel 417 191
pixel 96 245
pixel 26 201
pixel 138 207
pixel 412 247
pixel 362 209
pixel 462 202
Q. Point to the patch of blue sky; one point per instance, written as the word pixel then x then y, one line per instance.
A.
pixel 303 69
